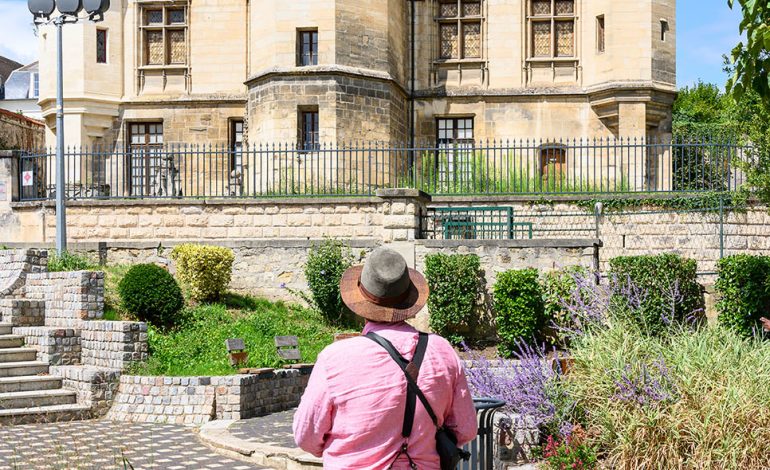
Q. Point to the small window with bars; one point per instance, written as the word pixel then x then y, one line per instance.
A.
pixel 552 28
pixel 460 29
pixel 308 129
pixel 307 47
pixel 101 46
pixel 164 35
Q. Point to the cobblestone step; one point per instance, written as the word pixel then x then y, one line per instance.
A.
pixel 29 383
pixel 44 414
pixel 17 354
pixel 16 369
pixel 37 399
pixel 6 328
pixel 11 341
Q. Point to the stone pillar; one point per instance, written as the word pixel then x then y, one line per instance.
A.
pixel 632 128
pixel 402 211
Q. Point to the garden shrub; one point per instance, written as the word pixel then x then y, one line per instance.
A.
pixel 151 294
pixel 656 290
pixel 326 263
pixel 455 288
pixel 743 286
pixel 204 271
pixel 571 453
pixel 557 287
pixel 66 261
pixel 519 308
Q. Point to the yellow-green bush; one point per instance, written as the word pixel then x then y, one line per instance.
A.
pixel 204 271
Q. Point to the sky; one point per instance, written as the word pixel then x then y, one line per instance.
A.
pixel 706 30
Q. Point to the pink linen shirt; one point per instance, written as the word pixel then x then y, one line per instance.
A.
pixel 352 411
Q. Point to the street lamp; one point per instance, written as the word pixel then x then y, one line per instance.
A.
pixel 69 11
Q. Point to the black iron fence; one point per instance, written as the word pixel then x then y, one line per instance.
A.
pixel 527 167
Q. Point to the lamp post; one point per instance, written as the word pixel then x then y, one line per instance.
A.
pixel 69 12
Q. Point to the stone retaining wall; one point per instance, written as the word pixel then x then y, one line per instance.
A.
pixel 56 346
pixel 15 265
pixel 196 400
pixel 113 344
pixel 70 297
pixel 22 312
pixel 95 386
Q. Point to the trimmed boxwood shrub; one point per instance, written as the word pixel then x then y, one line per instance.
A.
pixel 455 288
pixel 151 294
pixel 657 278
pixel 204 271
pixel 326 263
pixel 519 308
pixel 743 286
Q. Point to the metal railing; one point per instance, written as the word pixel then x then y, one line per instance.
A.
pixel 482 448
pixel 527 167
pixel 506 223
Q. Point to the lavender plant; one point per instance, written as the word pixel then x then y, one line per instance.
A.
pixel 528 385
pixel 646 386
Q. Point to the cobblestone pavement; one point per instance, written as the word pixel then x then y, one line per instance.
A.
pixel 274 429
pixel 92 445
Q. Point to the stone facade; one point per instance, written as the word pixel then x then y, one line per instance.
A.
pixel 95 386
pixel 241 61
pixel 196 400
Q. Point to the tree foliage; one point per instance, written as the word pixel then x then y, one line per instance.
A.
pixel 751 60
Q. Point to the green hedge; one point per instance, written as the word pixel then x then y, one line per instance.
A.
pixel 743 286
pixel 326 263
pixel 519 308
pixel 657 276
pixel 455 288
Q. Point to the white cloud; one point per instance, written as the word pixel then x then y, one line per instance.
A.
pixel 17 34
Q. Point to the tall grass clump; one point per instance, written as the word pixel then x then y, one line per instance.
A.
pixel 691 399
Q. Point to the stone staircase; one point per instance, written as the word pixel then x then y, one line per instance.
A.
pixel 27 393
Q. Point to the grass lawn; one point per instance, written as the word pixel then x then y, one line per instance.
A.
pixel 197 345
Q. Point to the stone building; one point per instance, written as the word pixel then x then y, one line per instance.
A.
pixel 304 72
pixel 227 71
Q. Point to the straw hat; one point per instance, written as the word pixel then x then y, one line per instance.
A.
pixel 384 289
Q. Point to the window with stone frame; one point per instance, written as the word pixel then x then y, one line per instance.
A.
pixel 164 31
pixel 460 29
pixel 308 129
pixel 101 46
pixel 455 143
pixel 552 28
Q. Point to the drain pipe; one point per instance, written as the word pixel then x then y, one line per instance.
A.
pixel 411 89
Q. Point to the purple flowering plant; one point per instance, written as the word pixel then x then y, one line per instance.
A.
pixel 529 386
pixel 647 385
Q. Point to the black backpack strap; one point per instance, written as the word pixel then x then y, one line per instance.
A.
pixel 413 369
pixel 410 381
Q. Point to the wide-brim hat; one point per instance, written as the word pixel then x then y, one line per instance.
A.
pixel 384 289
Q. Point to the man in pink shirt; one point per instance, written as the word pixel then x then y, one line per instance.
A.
pixel 353 410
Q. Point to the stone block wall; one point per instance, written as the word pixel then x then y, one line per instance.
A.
pixel 15 265
pixel 70 297
pixel 56 346
pixel 95 386
pixel 196 400
pixel 247 396
pixel 22 312
pixel 113 344
pixel 20 132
